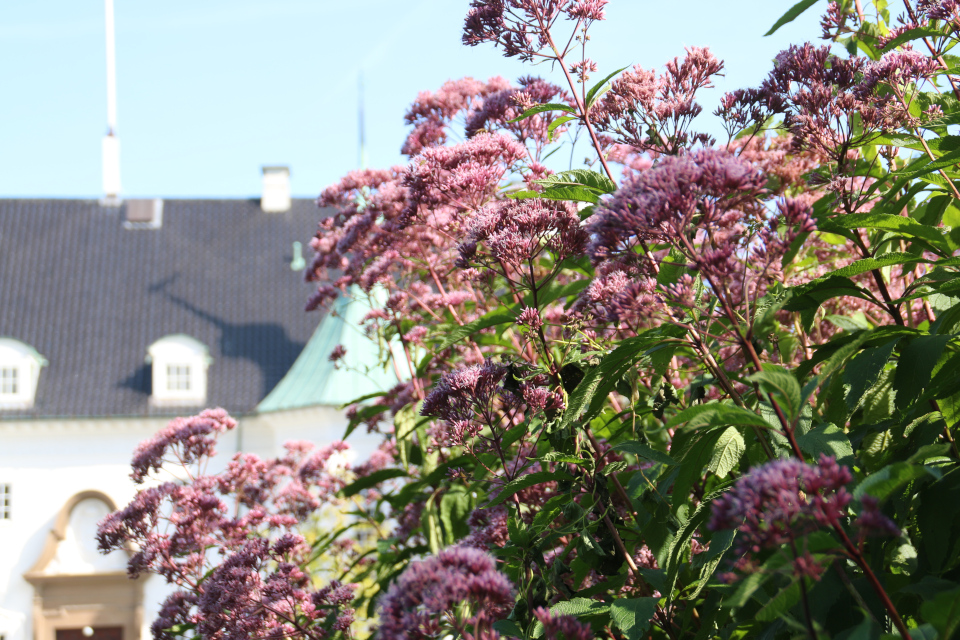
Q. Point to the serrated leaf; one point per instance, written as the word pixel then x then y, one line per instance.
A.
pixel 633 615
pixel 559 122
pixel 716 414
pixel 540 108
pixel 645 451
pixel 784 388
pixel 912 34
pixel 791 15
pixel 371 480
pixel 570 194
pixel 500 315
pixel 600 380
pixel 525 481
pixel 828 440
pixel 897 224
pixel 508 629
pixel 595 91
pixel 719 544
pixel 888 479
pixel 780 603
pixel 579 607
pixel 580 178
pixel 726 452
pixel 863 370
pixel 915 366
pixel 944 613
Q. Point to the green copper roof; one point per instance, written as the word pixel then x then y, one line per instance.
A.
pixel 313 380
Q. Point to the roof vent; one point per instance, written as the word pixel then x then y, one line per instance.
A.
pixel 143 214
pixel 276 190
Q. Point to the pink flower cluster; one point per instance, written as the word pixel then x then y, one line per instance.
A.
pixel 256 587
pixel 782 501
pixel 423 601
pixel 650 113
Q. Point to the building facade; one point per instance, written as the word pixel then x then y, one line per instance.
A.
pixel 115 317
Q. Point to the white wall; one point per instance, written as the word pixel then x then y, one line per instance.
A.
pixel 46 462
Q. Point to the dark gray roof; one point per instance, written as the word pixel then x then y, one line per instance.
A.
pixel 91 296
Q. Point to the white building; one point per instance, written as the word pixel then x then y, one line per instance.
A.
pixel 112 320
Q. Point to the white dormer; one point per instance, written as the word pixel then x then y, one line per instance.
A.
pixel 20 366
pixel 179 370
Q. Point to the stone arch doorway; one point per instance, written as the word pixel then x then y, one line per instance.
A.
pixel 78 593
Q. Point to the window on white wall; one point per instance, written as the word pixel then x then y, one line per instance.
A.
pixel 178 377
pixel 179 366
pixel 20 366
pixel 8 380
pixel 4 501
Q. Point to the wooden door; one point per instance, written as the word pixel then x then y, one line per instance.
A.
pixel 99 633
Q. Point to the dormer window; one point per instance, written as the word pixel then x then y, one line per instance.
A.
pixel 8 381
pixel 179 368
pixel 178 377
pixel 20 366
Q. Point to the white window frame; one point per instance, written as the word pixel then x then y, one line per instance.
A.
pixel 6 512
pixel 25 363
pixel 178 355
pixel 9 380
pixel 179 377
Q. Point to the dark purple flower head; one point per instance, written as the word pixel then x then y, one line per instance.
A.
pixel 191 438
pixel 559 627
pixel 947 10
pixel 781 501
pixel 705 188
pixel 415 606
pixel 514 232
pixel 337 354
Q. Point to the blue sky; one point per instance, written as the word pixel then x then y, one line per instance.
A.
pixel 210 91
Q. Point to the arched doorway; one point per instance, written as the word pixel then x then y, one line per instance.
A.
pixel 80 594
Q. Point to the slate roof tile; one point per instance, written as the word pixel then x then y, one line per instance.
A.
pixel 91 296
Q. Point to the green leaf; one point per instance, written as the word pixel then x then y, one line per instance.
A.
pixel 915 366
pixel 371 480
pixel 925 631
pixel 791 15
pixel 888 479
pixel 898 224
pixel 944 613
pixel 527 480
pixel 559 122
pixel 579 607
pixel 508 628
pixel 719 544
pixel 784 388
pixel 828 440
pixel 633 615
pixel 807 301
pixel 645 451
pixel 727 452
pixel 946 160
pixel 580 178
pixel 863 370
pixel 501 315
pixel 540 108
pixel 455 508
pixel 912 34
pixel 861 266
pixel 594 92
pixel 780 603
pixel 602 379
pixel 716 414
pixel 574 194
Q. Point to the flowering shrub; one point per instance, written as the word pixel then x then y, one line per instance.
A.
pixel 693 389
